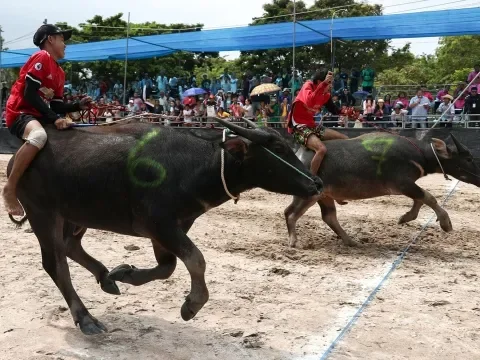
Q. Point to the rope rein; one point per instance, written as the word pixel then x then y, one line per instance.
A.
pixel 439 163
pixel 222 170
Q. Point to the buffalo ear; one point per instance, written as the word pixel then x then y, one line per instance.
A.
pixel 441 148
pixel 236 147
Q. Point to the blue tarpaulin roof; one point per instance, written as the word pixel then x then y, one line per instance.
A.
pixel 272 36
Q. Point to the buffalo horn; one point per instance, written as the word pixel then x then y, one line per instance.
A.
pixel 250 123
pixel 460 147
pixel 256 136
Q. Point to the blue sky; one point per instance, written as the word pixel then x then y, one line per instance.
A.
pixel 20 19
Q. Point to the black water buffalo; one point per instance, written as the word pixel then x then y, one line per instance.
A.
pixel 378 164
pixel 146 181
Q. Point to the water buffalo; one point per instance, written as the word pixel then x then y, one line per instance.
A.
pixel 378 164
pixel 146 181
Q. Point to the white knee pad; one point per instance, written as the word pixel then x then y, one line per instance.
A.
pixel 37 138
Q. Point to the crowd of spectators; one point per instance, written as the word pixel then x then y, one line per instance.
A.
pixel 229 97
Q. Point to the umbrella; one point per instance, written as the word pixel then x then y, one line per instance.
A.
pixel 194 92
pixel 361 93
pixel 265 88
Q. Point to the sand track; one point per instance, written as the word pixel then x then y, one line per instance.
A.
pixel 267 301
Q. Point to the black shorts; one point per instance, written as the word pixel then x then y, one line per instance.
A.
pixel 20 123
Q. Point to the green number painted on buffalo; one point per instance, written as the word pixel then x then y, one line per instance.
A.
pixel 379 147
pixel 135 163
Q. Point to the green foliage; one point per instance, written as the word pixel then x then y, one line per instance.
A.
pixel 453 61
pixel 348 54
pixel 179 64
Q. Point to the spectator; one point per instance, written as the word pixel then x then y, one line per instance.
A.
pixel 398 115
pixel 471 76
pixel 344 78
pixel 439 97
pixel 131 107
pixel 337 83
pixel 162 100
pixel 472 107
pixel 354 76
pixel 206 83
pixel 246 85
pixel 157 107
pixel 346 98
pixel 222 113
pixel 284 109
pixel 286 94
pixel 336 101
pixel 236 110
pixel 248 109
pixel 188 115
pixel 295 83
pixel 402 98
pixel 419 105
pixel 368 108
pixel 475 84
pixel 460 104
pixel 368 78
pixel 460 86
pixel 162 82
pixel 211 106
pixel 446 120
pixel 380 112
pixel 427 93
pixel 233 83
pixel 388 103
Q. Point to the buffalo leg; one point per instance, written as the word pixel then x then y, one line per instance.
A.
pixel 76 252
pixel 49 230
pixel 167 263
pixel 129 274
pixel 329 216
pixel 178 243
pixel 293 212
pixel 412 213
pixel 415 192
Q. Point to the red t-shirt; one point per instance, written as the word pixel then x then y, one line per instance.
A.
pixel 43 69
pixel 309 100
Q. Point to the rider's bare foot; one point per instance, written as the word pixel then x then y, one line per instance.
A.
pixel 11 203
pixel 341 202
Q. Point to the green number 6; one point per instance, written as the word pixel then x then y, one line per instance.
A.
pixel 134 162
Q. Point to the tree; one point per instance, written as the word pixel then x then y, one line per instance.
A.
pixel 348 54
pixel 179 64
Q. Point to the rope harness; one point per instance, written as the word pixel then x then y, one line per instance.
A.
pixel 222 170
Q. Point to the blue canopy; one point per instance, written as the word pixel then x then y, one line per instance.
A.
pixel 272 36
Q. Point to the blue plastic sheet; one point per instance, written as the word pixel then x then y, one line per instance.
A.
pixel 273 36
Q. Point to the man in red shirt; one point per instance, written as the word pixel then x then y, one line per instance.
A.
pixel 312 97
pixel 35 100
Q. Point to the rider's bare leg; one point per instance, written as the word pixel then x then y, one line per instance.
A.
pixel 333 135
pixel 23 158
pixel 314 143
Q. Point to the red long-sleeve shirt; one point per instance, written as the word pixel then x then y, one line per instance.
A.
pixel 309 100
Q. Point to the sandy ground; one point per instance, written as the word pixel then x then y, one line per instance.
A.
pixel 267 301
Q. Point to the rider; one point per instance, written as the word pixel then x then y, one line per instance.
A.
pixel 313 95
pixel 35 100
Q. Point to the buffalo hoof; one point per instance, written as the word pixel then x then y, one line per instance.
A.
pixel 91 326
pixel 406 218
pixel 446 224
pixel 122 273
pixel 190 309
pixel 351 242
pixel 109 286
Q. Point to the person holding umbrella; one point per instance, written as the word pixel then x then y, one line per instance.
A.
pixel 312 97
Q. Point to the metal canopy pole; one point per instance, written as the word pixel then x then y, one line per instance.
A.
pixel 293 48
pixel 126 62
